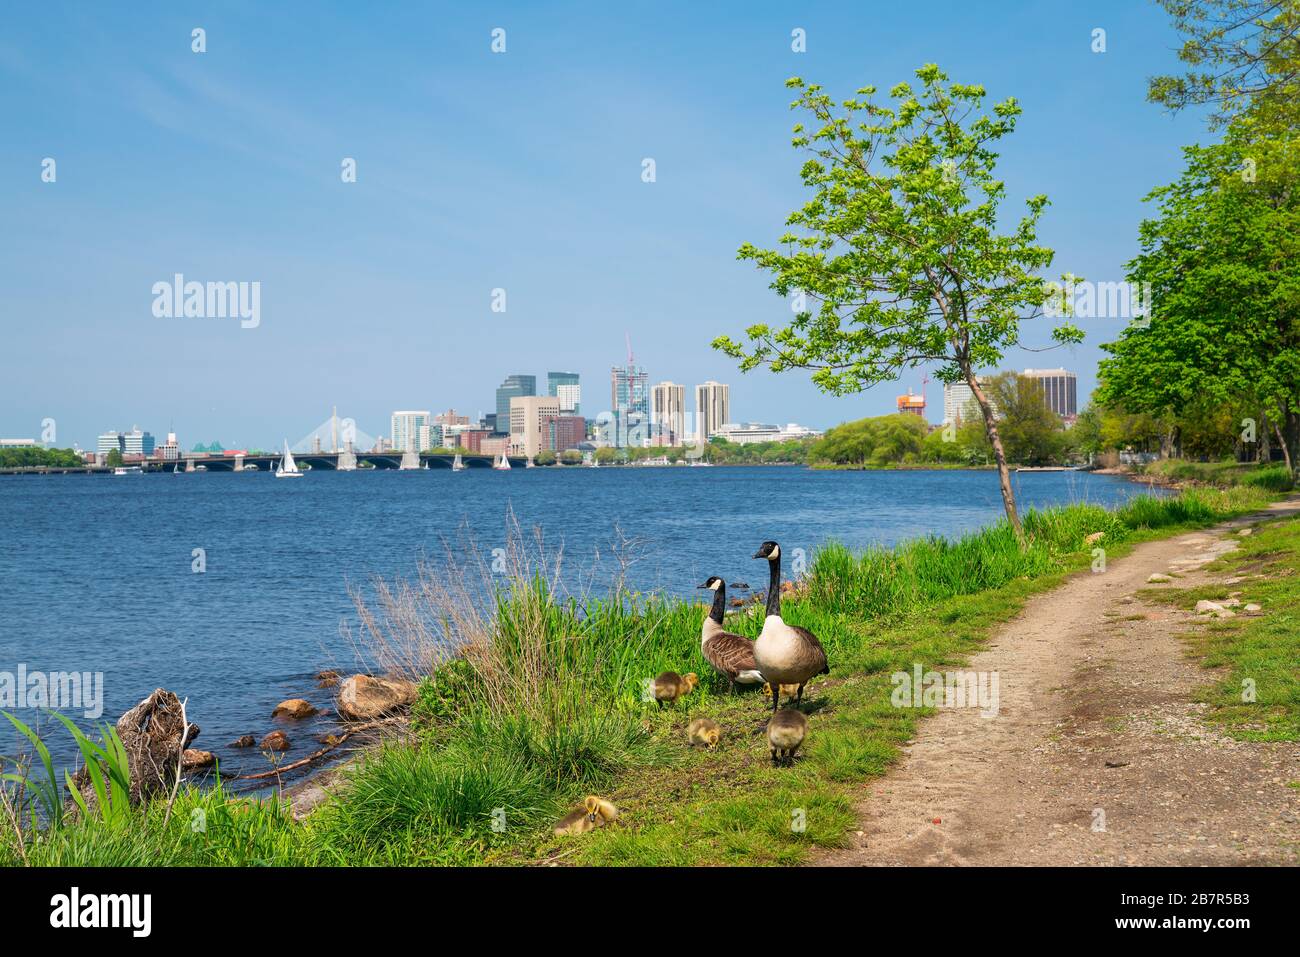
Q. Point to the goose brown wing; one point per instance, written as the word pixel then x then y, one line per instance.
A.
pixel 815 649
pixel 730 654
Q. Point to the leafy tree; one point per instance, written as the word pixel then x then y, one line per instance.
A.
pixel 546 457
pixel 571 457
pixel 1220 259
pixel 1243 55
pixel 114 459
pixel 1033 433
pixel 899 248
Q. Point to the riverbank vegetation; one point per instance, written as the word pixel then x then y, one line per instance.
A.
pixel 546 703
pixel 33 456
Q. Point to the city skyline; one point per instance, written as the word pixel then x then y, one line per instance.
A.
pixel 376 292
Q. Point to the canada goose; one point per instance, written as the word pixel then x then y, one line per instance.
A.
pixel 669 686
pixel 705 732
pixel 594 812
pixel 733 655
pixel 785 732
pixel 786 654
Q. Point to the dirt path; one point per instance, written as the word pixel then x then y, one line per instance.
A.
pixel 1096 725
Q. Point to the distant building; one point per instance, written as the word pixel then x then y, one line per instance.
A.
pixel 472 439
pixel 959 403
pixel 17 443
pixel 530 418
pixel 565 387
pixel 136 442
pixel 450 418
pixel 494 445
pixel 170 450
pixel 668 413
pixel 1060 389
pixel 405 431
pixel 761 432
pixel 712 408
pixel 431 437
pixel 515 386
pixel 630 404
pixel 567 432
pixel 911 404
pixel 110 442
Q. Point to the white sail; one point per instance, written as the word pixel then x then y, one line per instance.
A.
pixel 288 467
pixel 457 465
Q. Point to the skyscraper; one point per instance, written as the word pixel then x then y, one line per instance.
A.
pixel 515 385
pixel 1060 389
pixel 530 423
pixel 712 408
pixel 630 397
pixel 565 387
pixel 668 413
pixel 406 428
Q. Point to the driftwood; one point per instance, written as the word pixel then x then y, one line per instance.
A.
pixel 151 733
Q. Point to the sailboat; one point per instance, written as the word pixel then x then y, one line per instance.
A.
pixel 288 467
pixel 457 465
pixel 503 464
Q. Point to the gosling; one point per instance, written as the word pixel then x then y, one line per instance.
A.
pixel 594 812
pixel 790 690
pixel 705 732
pixel 785 732
pixel 670 686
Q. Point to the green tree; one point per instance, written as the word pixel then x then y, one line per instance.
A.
pixel 899 249
pixel 546 457
pixel 1033 433
pixel 114 459
pixel 1242 55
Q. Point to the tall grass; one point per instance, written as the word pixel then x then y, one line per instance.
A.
pixel 1225 474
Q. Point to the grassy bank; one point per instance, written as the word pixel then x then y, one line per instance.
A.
pixel 548 704
pixel 1226 474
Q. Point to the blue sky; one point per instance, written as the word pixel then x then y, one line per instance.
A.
pixel 478 171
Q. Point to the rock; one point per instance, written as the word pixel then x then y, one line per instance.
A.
pixel 244 741
pixel 1204 607
pixel 1245 531
pixel 1230 602
pixel 327 679
pixel 1252 607
pixel 363 697
pixel 153 737
pixel 1094 537
pixel 1160 578
pixel 194 758
pixel 275 741
pixel 329 740
pixel 296 708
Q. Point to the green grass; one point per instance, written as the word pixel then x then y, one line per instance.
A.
pixel 493 760
pixel 1272 477
pixel 1260 652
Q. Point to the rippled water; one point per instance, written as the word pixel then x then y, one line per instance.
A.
pixel 96 571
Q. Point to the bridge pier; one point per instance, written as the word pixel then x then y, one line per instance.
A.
pixel 410 460
pixel 239 463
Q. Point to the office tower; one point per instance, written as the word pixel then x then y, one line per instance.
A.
pixel 629 393
pixel 514 386
pixel 959 403
pixel 530 418
pixel 405 432
pixel 668 413
pixel 110 442
pixel 136 442
pixel 1060 390
pixel 712 408
pixel 567 432
pixel 565 387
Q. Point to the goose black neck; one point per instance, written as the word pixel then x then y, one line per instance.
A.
pixel 719 603
pixel 774 587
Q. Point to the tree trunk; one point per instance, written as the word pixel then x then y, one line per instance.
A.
pixel 1000 456
pixel 1286 449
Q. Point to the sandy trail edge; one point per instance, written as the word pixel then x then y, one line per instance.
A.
pixel 1096 728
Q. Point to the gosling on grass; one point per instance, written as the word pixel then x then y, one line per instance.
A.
pixel 669 686
pixel 704 732
pixel 593 813
pixel 790 690
pixel 785 732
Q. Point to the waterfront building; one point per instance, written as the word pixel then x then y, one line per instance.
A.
pixel 567 432
pixel 748 432
pixel 530 418
pixel 110 442
pixel 668 413
pixel 405 431
pixel 170 450
pixel 911 404
pixel 431 436
pixel 17 443
pixel 472 439
pixel 712 408
pixel 515 386
pixel 494 445
pixel 1060 390
pixel 959 403
pixel 565 387
pixel 136 442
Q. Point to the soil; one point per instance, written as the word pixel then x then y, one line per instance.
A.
pixel 1099 753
